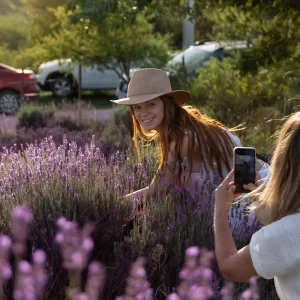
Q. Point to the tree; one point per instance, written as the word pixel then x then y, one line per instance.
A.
pixel 14 29
pixel 9 6
pixel 41 16
pixel 166 15
pixel 13 25
pixel 271 26
pixel 96 10
pixel 119 41
pixel 264 79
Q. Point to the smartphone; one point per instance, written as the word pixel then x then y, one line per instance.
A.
pixel 244 167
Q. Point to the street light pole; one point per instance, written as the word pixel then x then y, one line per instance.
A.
pixel 79 80
pixel 188 38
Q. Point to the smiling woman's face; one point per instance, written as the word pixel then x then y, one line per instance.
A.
pixel 149 114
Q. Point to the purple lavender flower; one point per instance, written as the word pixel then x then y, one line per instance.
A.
pixel 252 292
pixel 95 281
pixel 81 296
pixel 5 268
pixel 173 296
pixel 21 220
pixel 227 291
pixel 25 284
pixel 137 285
pixel 39 273
pixel 196 276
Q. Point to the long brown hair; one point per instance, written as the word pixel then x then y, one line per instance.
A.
pixel 281 197
pixel 206 134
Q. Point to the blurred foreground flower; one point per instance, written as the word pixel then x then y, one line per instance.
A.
pixel 31 279
pixel 196 276
pixel 21 220
pixel 137 285
pixel 76 246
pixel 252 292
pixel 5 268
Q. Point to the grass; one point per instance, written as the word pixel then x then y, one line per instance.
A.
pixel 98 99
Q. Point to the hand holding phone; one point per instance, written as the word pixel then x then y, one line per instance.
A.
pixel 244 168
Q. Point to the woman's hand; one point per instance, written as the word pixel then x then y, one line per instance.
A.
pixel 258 186
pixel 224 194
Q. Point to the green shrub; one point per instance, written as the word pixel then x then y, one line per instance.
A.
pixel 34 115
pixel 122 117
pixel 256 100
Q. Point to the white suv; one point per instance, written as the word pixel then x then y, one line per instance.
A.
pixel 61 77
pixel 195 57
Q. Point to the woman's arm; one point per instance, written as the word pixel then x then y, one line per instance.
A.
pixel 234 265
pixel 139 194
pixel 158 185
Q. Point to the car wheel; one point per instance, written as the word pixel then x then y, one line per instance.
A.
pixel 9 102
pixel 62 87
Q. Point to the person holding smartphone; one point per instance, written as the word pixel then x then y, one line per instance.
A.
pixel 273 251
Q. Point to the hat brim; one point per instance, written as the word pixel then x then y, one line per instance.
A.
pixel 180 97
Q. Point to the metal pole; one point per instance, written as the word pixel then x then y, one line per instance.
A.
pixel 188 36
pixel 79 81
pixel 184 76
pixel 22 86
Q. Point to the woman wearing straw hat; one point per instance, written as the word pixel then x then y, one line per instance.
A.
pixel 202 146
pixel 184 133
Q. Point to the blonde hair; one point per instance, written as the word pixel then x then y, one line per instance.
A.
pixel 207 134
pixel 281 197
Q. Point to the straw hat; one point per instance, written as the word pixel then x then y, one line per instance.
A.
pixel 147 84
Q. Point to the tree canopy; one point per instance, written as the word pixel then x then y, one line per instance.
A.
pixel 273 27
pixel 122 39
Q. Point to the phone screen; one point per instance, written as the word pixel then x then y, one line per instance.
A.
pixel 244 167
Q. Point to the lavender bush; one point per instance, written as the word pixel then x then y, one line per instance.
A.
pixel 77 121
pixel 76 245
pixel 85 186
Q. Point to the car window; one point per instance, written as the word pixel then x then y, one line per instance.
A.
pixel 220 53
pixel 192 57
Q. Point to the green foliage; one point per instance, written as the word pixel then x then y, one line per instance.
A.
pixel 122 117
pixel 97 10
pixel 9 6
pixel 41 16
pixel 6 55
pixel 14 31
pixel 16 48
pixel 261 84
pixel 119 41
pixel 256 100
pixel 226 94
pixel 34 116
pixel 13 26
pixel 273 27
pixel 165 15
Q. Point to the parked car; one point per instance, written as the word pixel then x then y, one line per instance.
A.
pixel 15 87
pixel 194 58
pixel 61 77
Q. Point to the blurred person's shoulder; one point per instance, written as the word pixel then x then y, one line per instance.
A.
pixel 286 228
pixel 235 140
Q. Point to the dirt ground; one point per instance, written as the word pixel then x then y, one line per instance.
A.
pixel 7 124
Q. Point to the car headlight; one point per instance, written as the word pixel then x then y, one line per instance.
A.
pixel 41 69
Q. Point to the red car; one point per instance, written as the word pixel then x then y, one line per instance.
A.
pixel 13 90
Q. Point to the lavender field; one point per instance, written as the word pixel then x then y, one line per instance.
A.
pixel 86 187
